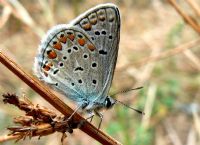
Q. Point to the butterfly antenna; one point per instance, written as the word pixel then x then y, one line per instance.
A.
pixel 136 110
pixel 116 101
pixel 124 91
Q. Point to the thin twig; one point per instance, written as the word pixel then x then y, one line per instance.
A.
pixel 194 6
pixel 187 18
pixel 164 54
pixel 173 136
pixel 151 96
pixel 9 137
pixel 193 58
pixel 18 10
pixel 45 92
pixel 170 52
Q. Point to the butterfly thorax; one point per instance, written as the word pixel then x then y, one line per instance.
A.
pixel 98 105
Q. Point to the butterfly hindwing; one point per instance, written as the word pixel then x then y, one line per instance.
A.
pixel 63 61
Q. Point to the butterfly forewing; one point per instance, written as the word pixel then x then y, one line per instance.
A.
pixel 102 25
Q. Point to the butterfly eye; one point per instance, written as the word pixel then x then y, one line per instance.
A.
pixel 108 103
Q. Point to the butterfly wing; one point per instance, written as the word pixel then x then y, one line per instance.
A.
pixel 102 25
pixel 62 61
pixel 79 59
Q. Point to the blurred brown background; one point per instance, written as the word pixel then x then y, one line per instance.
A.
pixel 158 51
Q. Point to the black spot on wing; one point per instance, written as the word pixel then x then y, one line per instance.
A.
pixel 78 69
pixel 102 52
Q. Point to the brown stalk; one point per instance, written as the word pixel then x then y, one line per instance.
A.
pixel 45 92
pixel 9 137
pixel 187 18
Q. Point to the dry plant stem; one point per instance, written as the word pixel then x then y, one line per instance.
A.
pixel 194 6
pixel 187 19
pixel 42 130
pixel 163 55
pixel 170 52
pixel 173 135
pixel 55 101
pixel 39 130
pixel 37 121
pixel 8 137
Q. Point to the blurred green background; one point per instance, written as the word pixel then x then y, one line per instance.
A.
pixel 149 30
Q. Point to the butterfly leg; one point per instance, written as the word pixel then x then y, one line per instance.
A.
pixel 79 107
pixel 90 116
pixel 100 116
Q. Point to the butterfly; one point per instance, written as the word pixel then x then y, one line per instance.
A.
pixel 78 59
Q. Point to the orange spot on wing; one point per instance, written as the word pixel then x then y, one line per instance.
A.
pixel 111 18
pixel 102 18
pixel 63 39
pixel 87 26
pixel 71 37
pixel 48 66
pixel 45 73
pixel 57 45
pixel 93 21
pixel 91 47
pixel 51 54
pixel 81 41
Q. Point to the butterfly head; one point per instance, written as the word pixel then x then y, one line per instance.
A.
pixel 109 102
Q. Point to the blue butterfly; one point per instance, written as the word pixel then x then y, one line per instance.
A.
pixel 78 59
